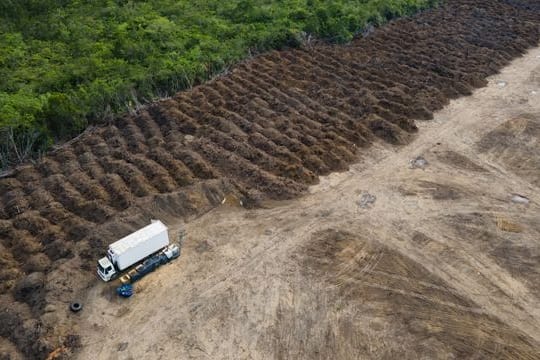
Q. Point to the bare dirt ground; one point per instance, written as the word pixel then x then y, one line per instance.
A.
pixel 438 263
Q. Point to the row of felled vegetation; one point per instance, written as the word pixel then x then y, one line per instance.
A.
pixel 65 64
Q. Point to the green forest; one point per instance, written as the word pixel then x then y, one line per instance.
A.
pixel 65 64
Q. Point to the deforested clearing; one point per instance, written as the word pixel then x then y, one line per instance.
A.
pixel 296 268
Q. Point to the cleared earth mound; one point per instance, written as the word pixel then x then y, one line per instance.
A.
pixel 267 129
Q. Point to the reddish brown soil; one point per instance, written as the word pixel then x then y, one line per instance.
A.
pixel 267 129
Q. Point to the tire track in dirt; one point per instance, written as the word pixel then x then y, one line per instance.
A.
pixel 268 129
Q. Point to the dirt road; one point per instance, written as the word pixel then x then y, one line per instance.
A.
pixel 436 258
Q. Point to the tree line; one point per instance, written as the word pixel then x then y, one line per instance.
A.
pixel 65 64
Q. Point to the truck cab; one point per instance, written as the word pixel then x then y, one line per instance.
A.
pixel 106 269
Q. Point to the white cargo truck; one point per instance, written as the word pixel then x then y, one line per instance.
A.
pixel 133 248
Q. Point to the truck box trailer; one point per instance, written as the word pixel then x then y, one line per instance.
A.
pixel 133 248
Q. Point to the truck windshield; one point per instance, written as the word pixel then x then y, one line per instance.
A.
pixel 104 270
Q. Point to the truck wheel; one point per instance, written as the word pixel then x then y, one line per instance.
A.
pixel 75 306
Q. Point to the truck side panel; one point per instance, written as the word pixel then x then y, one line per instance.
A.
pixel 149 243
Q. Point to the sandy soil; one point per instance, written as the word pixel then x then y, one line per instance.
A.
pixel 439 263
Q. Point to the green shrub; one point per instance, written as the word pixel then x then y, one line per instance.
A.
pixel 62 116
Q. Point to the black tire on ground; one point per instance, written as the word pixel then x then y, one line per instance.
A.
pixel 75 306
